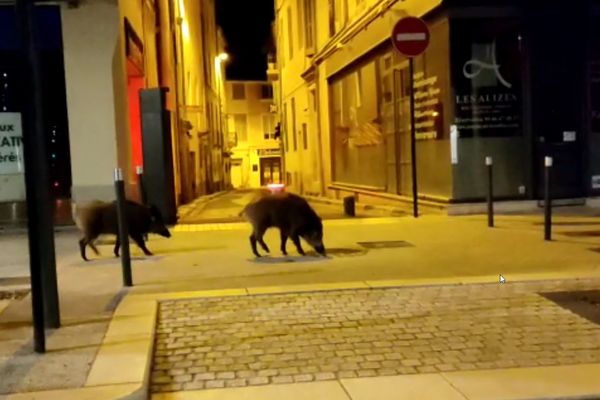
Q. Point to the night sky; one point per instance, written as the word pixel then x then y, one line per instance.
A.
pixel 246 25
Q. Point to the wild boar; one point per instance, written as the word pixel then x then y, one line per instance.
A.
pixel 291 214
pixel 98 217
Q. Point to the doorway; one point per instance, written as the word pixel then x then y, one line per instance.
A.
pixel 270 170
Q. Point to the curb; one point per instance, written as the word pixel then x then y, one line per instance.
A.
pixel 374 207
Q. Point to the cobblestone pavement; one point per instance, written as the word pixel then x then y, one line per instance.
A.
pixel 270 339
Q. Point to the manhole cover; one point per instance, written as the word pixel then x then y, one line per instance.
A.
pixel 16 280
pixel 586 304
pixel 385 244
pixel 581 234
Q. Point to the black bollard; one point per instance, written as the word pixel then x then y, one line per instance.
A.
pixel 123 237
pixel 350 206
pixel 139 170
pixel 547 199
pixel 490 192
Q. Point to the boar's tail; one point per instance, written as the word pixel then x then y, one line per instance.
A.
pixel 75 216
pixel 84 214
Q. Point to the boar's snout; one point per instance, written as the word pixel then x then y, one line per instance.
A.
pixel 158 226
pixel 164 232
pixel 321 250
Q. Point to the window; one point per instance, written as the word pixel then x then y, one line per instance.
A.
pixel 290 33
pixel 305 136
pixel 286 139
pixel 331 17
pixel 309 26
pixel 268 123
pixel 300 14
pixel 341 14
pixel 241 127
pixel 294 138
pixel 280 49
pixel 266 92
pixel 239 91
pixel 358 88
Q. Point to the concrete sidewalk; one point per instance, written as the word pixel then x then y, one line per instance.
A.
pixel 394 252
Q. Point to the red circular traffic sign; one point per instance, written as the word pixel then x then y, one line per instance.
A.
pixel 410 36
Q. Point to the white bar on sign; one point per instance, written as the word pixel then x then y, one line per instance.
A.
pixel 410 37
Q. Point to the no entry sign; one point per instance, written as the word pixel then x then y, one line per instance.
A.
pixel 410 36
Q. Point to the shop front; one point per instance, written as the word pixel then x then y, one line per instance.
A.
pixel 503 78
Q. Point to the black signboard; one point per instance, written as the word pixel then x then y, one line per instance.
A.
pixel 486 76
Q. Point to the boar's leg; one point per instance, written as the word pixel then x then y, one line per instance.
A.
pixel 117 246
pixel 82 244
pixel 139 240
pixel 93 247
pixel 284 238
pixel 258 234
pixel 296 241
pixel 253 245
pixel 87 240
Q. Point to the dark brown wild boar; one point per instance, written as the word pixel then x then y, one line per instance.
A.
pixel 97 218
pixel 291 214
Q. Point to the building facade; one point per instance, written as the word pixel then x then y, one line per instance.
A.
pixel 256 155
pixel 490 74
pixel 112 52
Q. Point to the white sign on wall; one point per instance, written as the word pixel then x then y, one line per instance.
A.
pixel 453 144
pixel 11 144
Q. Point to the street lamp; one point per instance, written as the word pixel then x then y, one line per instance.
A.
pixel 223 57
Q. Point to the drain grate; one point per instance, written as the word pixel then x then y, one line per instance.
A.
pixel 385 244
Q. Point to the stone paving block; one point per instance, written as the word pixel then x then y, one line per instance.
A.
pixel 300 337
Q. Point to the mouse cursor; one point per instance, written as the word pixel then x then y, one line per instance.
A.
pixel 501 279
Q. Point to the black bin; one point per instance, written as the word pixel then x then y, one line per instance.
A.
pixel 350 206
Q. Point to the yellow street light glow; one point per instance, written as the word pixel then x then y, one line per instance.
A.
pixel 223 56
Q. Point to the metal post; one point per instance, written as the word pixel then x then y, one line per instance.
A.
pixel 42 258
pixel 123 231
pixel 547 199
pixel 139 170
pixel 490 193
pixel 413 138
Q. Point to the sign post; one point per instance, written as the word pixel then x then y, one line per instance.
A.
pixel 410 37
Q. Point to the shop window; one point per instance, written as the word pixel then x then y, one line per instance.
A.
pixel 358 144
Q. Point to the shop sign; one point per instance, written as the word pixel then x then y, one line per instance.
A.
pixel 486 69
pixel 11 144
